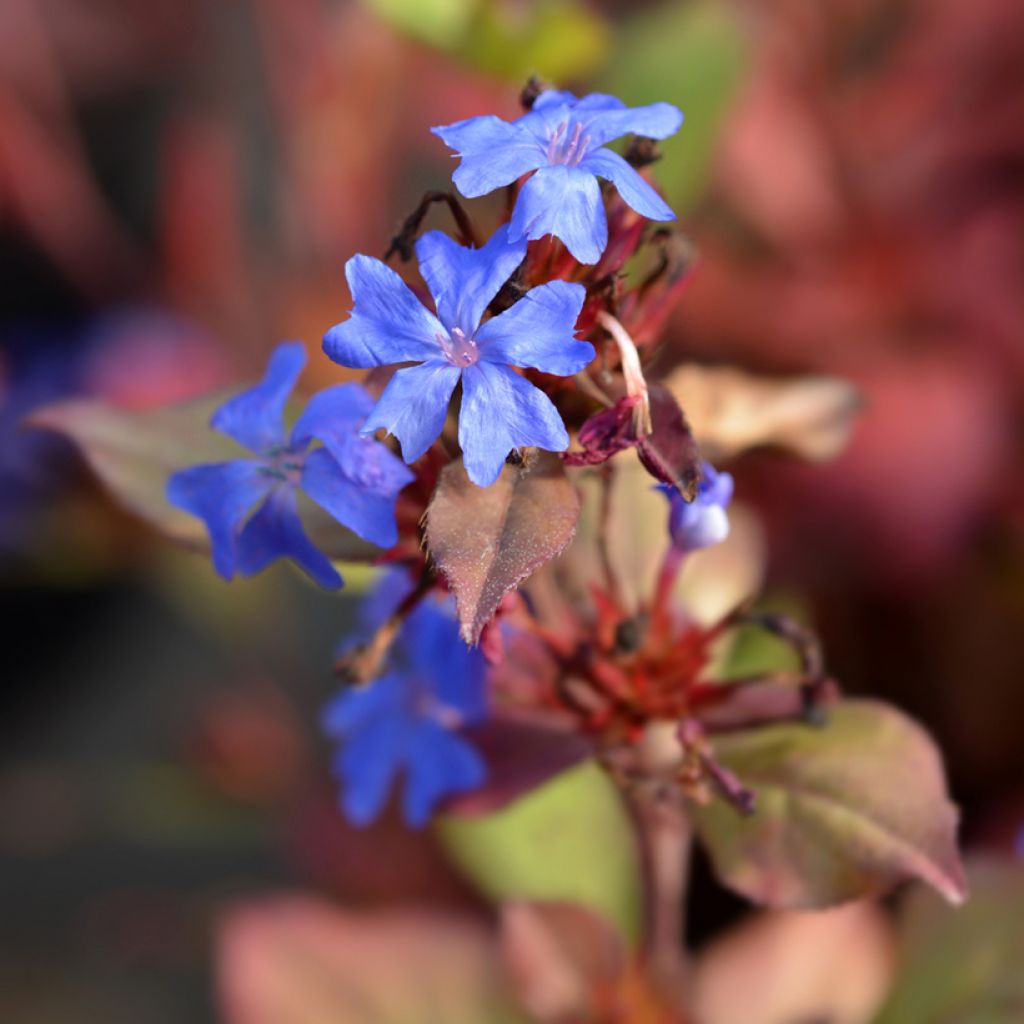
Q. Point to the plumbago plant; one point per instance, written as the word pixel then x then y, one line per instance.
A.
pixel 534 515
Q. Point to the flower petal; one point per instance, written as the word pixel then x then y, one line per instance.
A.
pixel 276 531
pixel 494 153
pixel 388 323
pixel 332 416
pixel 414 406
pixel 538 331
pixel 439 763
pixel 636 192
pixel 368 763
pixel 221 494
pixel 463 280
pixel 434 649
pixel 255 418
pixel 564 202
pixel 351 709
pixel 502 411
pixel 366 511
pixel 603 122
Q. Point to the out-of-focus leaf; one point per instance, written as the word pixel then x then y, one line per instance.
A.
pixel 844 811
pixel 557 39
pixel 692 55
pixel 560 40
pixel 833 965
pixel 570 840
pixel 134 452
pixel 520 756
pixel 301 960
pixel 441 23
pixel 486 540
pixel 964 966
pixel 560 957
pixel 732 411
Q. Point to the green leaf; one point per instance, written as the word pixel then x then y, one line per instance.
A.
pixel 843 811
pixel 571 840
pixel 133 453
pixel 964 966
pixel 692 55
pixel 441 23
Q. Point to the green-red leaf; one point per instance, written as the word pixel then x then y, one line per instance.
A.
pixel 487 540
pixel 843 811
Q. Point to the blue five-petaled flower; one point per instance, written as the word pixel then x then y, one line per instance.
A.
pixel 704 521
pixel 563 140
pixel 407 721
pixel 501 410
pixel 353 478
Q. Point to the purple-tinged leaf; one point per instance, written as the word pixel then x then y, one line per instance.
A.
pixel 486 540
pixel 605 433
pixel 844 811
pixel 669 453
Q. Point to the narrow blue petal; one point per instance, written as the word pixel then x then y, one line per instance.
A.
pixel 440 764
pixel 538 331
pixel 554 98
pixel 368 764
pixel 564 202
pixel 502 411
pixel 464 280
pixel 435 651
pixel 414 406
pixel 634 190
pixel 276 531
pixel 332 416
pixel 602 123
pixel 388 323
pixel 367 512
pixel 347 713
pixel 255 418
pixel 494 153
pixel 221 494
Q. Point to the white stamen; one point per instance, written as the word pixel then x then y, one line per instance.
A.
pixel 636 385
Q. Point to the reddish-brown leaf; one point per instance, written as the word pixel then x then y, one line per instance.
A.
pixel 486 540
pixel 669 452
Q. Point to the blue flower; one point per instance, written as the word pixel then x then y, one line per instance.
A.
pixel 501 410
pixel 563 139
pixel 703 521
pixel 405 722
pixel 353 478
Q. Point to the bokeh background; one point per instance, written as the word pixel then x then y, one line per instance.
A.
pixel 180 185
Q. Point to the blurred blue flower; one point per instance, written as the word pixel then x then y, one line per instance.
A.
pixel 406 720
pixel 703 521
pixel 501 410
pixel 563 139
pixel 353 478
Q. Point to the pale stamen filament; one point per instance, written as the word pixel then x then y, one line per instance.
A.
pixel 636 385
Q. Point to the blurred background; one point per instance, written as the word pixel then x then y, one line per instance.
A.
pixel 180 185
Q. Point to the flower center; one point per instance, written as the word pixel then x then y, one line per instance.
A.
pixel 567 149
pixel 285 465
pixel 459 349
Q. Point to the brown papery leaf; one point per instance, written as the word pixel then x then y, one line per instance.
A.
pixel 486 540
pixel 732 411
pixel 669 453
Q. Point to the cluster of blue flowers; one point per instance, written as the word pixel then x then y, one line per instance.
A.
pixel 407 721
